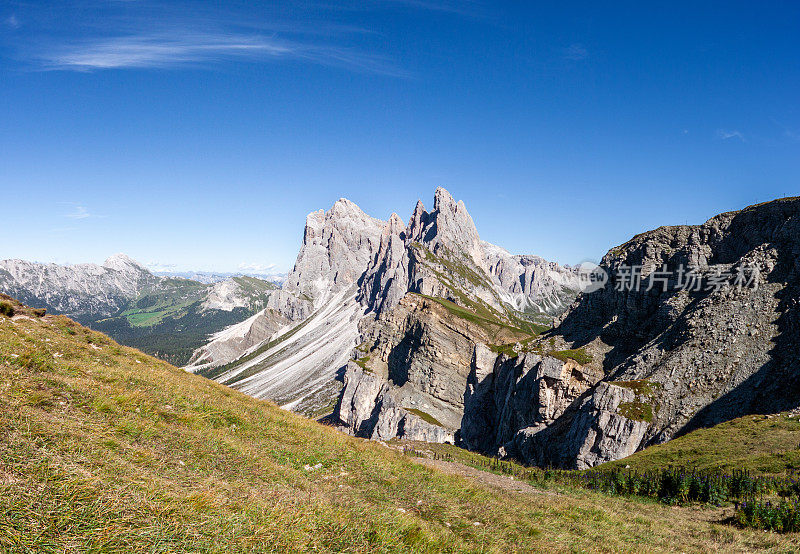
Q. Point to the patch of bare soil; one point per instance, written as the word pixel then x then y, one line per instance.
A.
pixel 503 482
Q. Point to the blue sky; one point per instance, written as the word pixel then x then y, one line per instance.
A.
pixel 199 135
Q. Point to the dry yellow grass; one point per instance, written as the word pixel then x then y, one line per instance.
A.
pixel 105 449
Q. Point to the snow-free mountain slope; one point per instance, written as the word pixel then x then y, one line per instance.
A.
pixel 352 268
pixel 296 364
pixel 88 290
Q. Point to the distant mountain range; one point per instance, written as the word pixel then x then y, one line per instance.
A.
pixel 209 277
pixel 166 316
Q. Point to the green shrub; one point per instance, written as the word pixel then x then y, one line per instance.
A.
pixel 781 517
pixel 6 309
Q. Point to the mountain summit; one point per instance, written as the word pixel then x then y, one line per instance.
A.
pixel 122 262
pixel 352 268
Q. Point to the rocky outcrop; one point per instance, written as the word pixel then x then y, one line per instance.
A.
pixel 596 433
pixel 429 359
pixel 437 292
pixel 422 353
pixel 665 358
pixel 371 408
pixel 694 357
pixel 505 394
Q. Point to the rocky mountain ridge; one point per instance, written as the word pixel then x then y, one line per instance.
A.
pixel 296 364
pixel 352 268
pixel 82 289
pixel 625 368
pixel 692 357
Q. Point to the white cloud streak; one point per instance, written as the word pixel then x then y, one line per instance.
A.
pixel 576 52
pixel 159 266
pixel 261 268
pixel 167 50
pixel 726 134
pixel 79 212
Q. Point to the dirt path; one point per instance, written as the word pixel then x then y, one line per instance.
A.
pixel 498 481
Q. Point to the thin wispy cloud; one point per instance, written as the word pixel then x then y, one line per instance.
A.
pixel 575 52
pixel 79 211
pixel 168 50
pixel 159 35
pixel 159 51
pixel 459 7
pixel 11 21
pixel 255 267
pixel 159 266
pixel 726 134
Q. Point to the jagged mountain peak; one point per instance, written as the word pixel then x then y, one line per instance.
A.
pixel 418 220
pixel 351 267
pixel 337 247
pixel 395 224
pixel 450 227
pixel 449 234
pixel 345 207
pixel 123 262
pixel 442 199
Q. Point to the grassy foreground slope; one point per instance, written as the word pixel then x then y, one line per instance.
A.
pixel 105 449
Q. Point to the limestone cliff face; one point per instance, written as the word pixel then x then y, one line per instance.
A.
pixel 505 394
pixel 338 245
pixel 291 351
pixel 596 431
pixel 422 354
pixel 425 359
pixel 695 358
pixel 439 253
pixel 663 360
pixel 437 293
pixel 369 407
